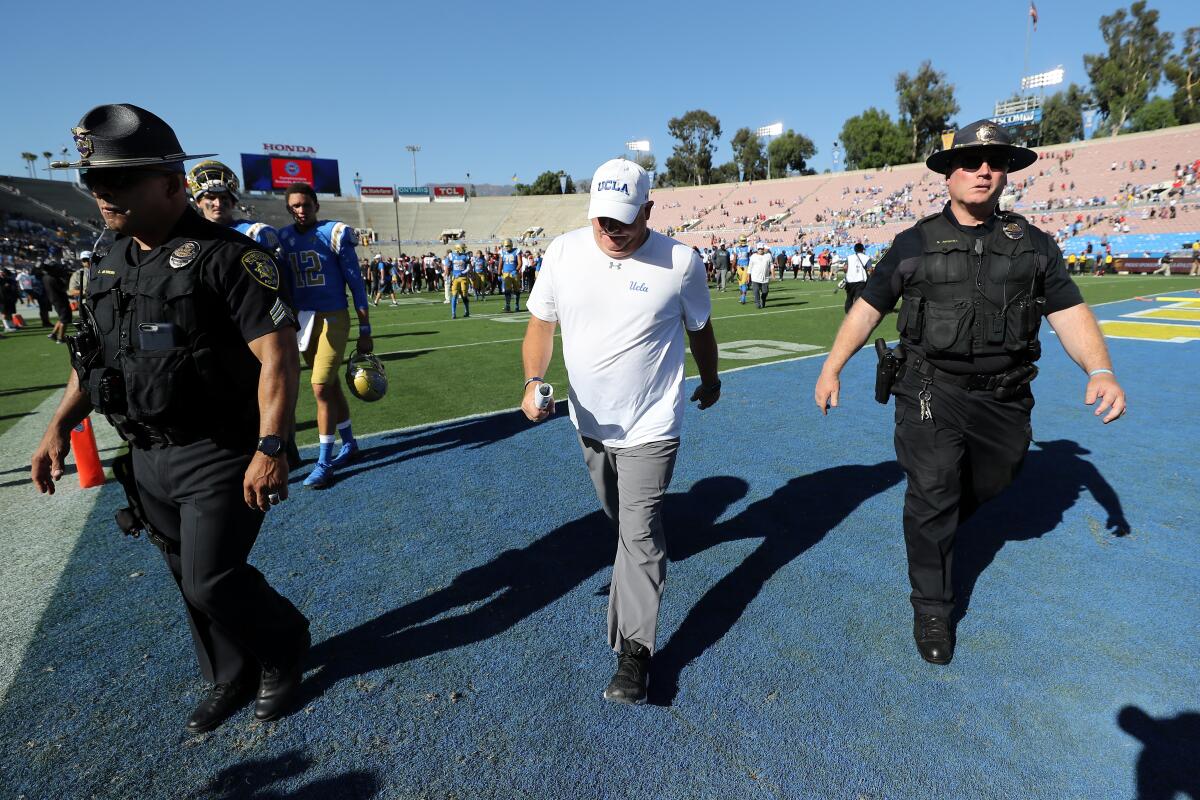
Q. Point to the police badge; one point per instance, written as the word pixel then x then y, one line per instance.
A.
pixel 986 133
pixel 83 142
pixel 1013 230
pixel 261 267
pixel 184 254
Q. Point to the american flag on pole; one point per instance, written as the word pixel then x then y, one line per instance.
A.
pixel 1033 14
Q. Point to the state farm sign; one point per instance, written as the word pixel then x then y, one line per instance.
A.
pixel 290 149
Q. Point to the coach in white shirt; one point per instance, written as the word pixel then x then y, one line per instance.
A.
pixel 624 295
pixel 760 274
pixel 856 274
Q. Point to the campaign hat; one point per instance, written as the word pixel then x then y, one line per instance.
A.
pixel 124 135
pixel 983 133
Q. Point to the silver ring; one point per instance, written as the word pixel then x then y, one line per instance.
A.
pixel 274 498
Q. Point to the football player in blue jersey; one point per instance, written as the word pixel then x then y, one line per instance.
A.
pixel 510 273
pixel 460 279
pixel 483 278
pixel 214 188
pixel 320 264
pixel 742 254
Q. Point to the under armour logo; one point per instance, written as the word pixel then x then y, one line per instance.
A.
pixel 613 265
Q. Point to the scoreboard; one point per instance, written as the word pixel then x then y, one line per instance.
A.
pixel 268 173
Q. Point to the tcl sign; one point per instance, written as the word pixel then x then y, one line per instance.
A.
pixel 449 191
pixel 290 149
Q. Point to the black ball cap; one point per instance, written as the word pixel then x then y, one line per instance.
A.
pixel 983 133
pixel 124 135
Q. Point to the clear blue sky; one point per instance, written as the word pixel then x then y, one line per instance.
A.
pixel 497 89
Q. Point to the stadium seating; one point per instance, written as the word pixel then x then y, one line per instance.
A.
pixel 834 210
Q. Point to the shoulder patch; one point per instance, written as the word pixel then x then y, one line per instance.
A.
pixel 184 254
pixel 261 267
pixel 1013 230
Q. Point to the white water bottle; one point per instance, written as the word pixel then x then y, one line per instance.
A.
pixel 544 395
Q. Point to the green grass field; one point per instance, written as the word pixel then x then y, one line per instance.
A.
pixel 441 368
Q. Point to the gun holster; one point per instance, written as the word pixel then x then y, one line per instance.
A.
pixel 1012 381
pixel 886 369
pixel 132 519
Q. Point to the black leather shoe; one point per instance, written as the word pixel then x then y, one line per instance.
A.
pixel 935 641
pixel 221 702
pixel 629 683
pixel 279 685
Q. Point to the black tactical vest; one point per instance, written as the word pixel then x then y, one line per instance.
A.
pixel 974 296
pixel 165 359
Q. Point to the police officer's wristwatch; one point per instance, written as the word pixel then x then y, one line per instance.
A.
pixel 270 445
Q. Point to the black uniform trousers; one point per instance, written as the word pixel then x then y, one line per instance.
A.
pixel 967 454
pixel 192 495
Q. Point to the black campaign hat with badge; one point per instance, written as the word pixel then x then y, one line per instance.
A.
pixel 982 134
pixel 124 135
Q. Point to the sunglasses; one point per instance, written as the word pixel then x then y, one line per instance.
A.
pixel 119 179
pixel 971 162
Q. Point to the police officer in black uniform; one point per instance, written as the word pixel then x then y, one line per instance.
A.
pixel 974 284
pixel 188 348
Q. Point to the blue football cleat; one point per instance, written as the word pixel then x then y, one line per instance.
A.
pixel 347 454
pixel 321 477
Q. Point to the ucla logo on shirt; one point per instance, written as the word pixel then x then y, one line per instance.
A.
pixel 638 286
pixel 613 186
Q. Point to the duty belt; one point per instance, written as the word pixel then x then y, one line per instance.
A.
pixel 977 382
pixel 141 435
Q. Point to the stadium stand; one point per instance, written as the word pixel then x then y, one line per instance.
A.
pixel 1083 191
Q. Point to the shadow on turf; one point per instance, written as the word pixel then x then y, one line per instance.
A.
pixel 252 780
pixel 1168 764
pixel 1054 476
pixel 394 448
pixel 27 389
pixel 520 582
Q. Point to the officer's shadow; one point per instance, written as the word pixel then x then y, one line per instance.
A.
pixel 1167 766
pixel 1053 478
pixel 494 597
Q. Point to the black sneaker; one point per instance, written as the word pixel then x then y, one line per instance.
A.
pixel 632 678
pixel 935 641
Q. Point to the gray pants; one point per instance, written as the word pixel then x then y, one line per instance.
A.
pixel 631 483
pixel 760 294
pixel 721 275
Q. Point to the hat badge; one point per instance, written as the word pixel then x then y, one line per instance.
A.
pixel 83 142
pixel 986 133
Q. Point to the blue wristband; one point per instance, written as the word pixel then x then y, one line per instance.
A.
pixel 1096 372
pixel 364 330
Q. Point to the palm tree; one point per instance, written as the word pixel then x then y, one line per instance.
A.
pixel 46 154
pixel 30 160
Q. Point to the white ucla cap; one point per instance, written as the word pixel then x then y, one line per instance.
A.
pixel 619 190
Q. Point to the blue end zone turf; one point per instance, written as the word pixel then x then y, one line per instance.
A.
pixel 456 580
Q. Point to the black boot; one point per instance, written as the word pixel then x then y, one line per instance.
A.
pixel 935 640
pixel 632 678
pixel 221 702
pixel 280 684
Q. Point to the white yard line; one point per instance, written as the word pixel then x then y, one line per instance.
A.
pixel 39 534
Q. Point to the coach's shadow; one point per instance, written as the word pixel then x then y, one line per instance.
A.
pixel 493 597
pixel 794 518
pixel 253 780
pixel 1053 478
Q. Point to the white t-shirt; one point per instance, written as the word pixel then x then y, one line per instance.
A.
pixel 760 267
pixel 622 324
pixel 856 267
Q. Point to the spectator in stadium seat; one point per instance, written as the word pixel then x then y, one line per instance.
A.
pixel 624 295
pixel 963 397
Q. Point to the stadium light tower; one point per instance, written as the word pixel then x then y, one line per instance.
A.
pixel 414 149
pixel 766 132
